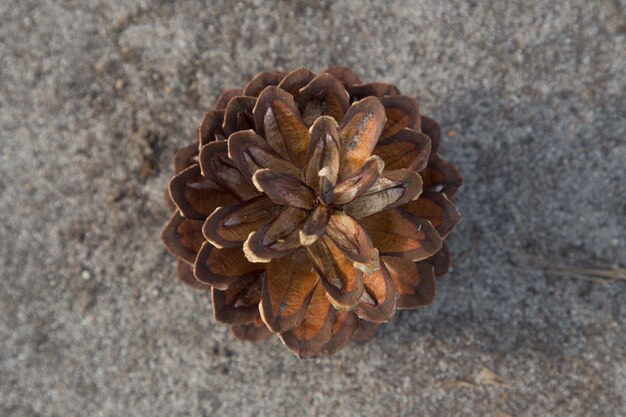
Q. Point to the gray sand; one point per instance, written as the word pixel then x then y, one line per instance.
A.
pixel 95 96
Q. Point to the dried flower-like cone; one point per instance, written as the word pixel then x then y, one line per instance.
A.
pixel 313 207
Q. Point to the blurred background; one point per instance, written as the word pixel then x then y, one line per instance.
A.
pixel 95 96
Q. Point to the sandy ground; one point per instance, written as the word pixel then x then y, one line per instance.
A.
pixel 95 96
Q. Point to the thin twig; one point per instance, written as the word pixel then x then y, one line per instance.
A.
pixel 602 275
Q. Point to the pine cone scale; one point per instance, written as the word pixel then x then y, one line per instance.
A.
pixel 322 154
pixel 315 331
pixel 230 226
pixel 401 112
pixel 323 96
pixel 380 296
pixel 415 281
pixel 250 152
pixel 359 131
pixel 361 181
pixel 278 237
pixel 295 80
pixel 352 239
pixel 391 189
pixel 181 237
pixel 195 196
pixel 260 81
pixel 278 120
pixel 342 281
pixel 288 286
pixel 238 304
pixel 218 167
pixel 394 232
pixel 437 209
pixel 283 189
pixel 344 326
pixel 315 225
pixel 221 267
pixel 407 149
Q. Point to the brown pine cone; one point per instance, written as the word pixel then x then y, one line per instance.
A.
pixel 312 206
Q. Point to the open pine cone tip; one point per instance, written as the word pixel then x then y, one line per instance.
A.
pixel 312 207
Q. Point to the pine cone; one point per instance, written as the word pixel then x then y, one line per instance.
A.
pixel 312 207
